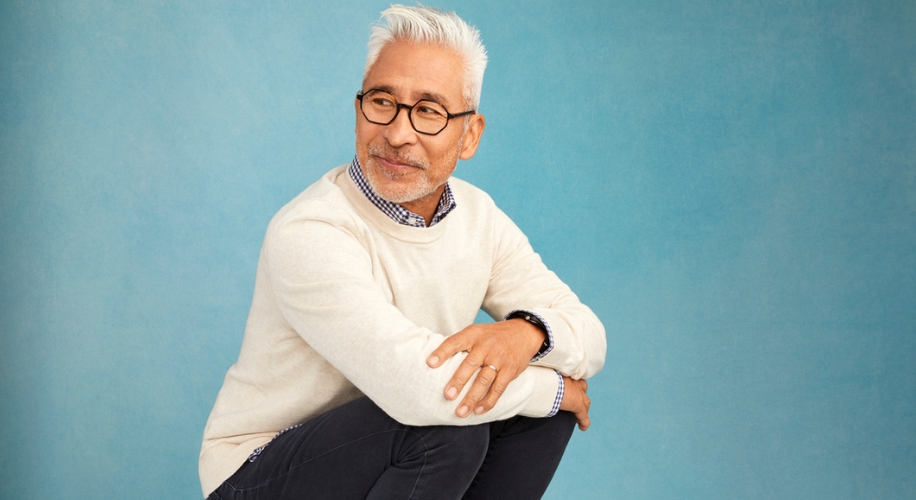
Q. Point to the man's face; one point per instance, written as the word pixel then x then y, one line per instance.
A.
pixel 402 165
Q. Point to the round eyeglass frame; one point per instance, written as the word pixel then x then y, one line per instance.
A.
pixel 409 108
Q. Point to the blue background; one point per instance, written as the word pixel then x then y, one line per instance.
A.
pixel 730 185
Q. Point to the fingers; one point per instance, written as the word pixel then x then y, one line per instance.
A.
pixel 582 415
pixel 449 347
pixel 494 392
pixel 482 383
pixel 464 372
pixel 576 401
pixel 583 421
pixel 486 345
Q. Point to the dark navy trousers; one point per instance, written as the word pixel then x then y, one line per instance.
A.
pixel 356 451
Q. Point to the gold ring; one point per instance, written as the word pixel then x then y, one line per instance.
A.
pixel 494 368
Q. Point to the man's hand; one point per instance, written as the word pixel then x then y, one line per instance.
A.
pixel 575 400
pixel 501 351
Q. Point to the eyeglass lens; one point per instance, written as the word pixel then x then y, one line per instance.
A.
pixel 427 117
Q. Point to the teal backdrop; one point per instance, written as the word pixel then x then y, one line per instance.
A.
pixel 730 185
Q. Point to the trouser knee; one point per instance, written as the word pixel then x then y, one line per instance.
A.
pixel 561 427
pixel 467 444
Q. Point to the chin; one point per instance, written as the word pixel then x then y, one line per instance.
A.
pixel 403 195
pixel 398 190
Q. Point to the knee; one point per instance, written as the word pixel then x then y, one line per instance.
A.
pixel 558 430
pixel 564 421
pixel 473 439
pixel 466 444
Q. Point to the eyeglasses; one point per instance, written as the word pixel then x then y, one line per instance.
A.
pixel 426 116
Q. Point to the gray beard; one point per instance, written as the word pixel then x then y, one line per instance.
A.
pixel 407 194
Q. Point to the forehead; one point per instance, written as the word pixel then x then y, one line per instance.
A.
pixel 412 72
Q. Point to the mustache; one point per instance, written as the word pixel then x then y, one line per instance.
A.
pixel 397 155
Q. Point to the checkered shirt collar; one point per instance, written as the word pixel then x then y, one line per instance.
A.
pixel 396 212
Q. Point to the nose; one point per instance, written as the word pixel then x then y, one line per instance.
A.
pixel 400 132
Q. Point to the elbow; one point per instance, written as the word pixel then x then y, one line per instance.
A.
pixel 598 353
pixel 593 353
pixel 594 366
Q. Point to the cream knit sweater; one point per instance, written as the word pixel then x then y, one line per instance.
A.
pixel 348 302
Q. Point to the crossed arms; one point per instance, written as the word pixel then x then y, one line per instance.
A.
pixel 332 286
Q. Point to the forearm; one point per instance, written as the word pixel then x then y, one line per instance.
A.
pixel 579 344
pixel 387 363
pixel 521 281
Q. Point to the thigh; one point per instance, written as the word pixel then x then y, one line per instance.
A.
pixel 338 454
pixel 356 451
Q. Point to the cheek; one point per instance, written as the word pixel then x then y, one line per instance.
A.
pixel 444 163
pixel 360 133
pixel 365 131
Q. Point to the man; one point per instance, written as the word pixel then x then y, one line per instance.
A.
pixel 361 374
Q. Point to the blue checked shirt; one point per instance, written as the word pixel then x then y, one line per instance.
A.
pixel 396 212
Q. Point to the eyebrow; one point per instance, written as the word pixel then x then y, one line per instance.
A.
pixel 423 96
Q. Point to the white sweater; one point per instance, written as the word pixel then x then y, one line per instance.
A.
pixel 348 302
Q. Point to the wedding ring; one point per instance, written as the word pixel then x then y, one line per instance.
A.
pixel 494 368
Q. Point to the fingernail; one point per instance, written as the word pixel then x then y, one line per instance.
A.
pixel 463 411
pixel 478 410
pixel 451 393
pixel 433 360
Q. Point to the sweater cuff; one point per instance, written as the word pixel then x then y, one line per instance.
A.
pixel 562 354
pixel 545 393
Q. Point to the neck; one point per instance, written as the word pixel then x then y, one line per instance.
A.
pixel 426 206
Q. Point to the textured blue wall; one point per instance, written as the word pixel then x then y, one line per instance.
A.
pixel 731 186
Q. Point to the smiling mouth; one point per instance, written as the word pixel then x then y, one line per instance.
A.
pixel 396 163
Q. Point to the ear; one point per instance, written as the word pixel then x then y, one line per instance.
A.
pixel 356 108
pixel 476 124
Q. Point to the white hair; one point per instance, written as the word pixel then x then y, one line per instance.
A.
pixel 425 25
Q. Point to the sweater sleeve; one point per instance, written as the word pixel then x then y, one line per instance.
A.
pixel 320 272
pixel 521 281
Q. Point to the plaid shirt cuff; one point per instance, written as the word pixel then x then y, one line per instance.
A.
pixel 560 391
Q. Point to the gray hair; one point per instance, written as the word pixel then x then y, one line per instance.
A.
pixel 427 25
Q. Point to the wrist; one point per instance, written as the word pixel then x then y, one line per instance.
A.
pixel 535 338
pixel 540 336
